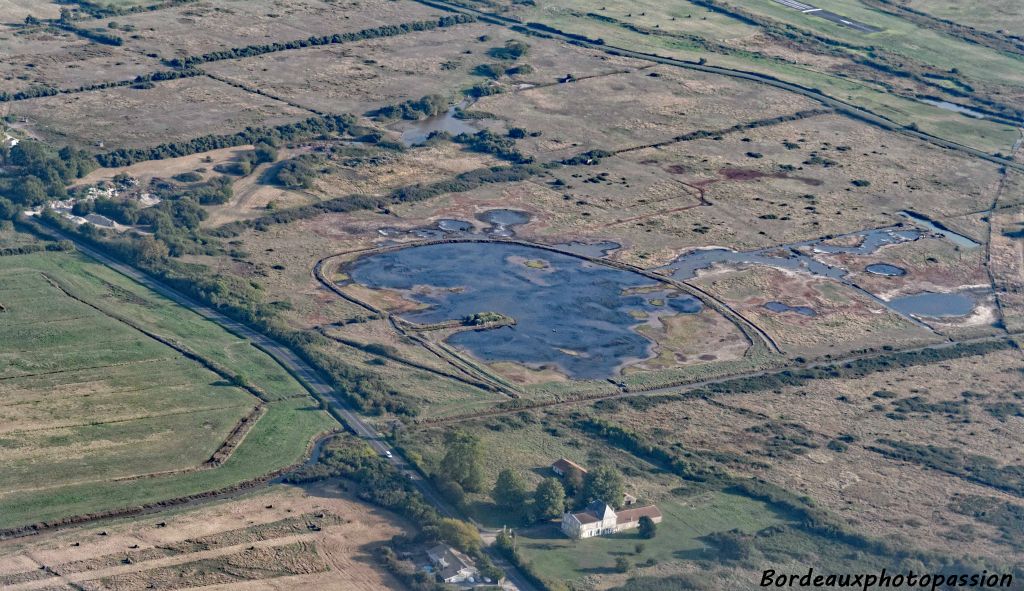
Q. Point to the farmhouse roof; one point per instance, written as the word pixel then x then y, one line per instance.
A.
pixel 594 512
pixel 449 561
pixel 627 515
pixel 564 465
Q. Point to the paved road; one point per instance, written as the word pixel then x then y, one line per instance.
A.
pixel 829 15
pixel 812 93
pixel 297 367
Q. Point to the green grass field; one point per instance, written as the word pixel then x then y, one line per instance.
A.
pixel 678 537
pixel 86 399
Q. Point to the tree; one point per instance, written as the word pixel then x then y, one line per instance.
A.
pixel 549 498
pixel 264 152
pixel 463 460
pixel 28 153
pixel 573 480
pixel 150 251
pixel 460 534
pixel 510 490
pixel 622 565
pixel 647 528
pixel 31 191
pixel 604 483
pixel 7 209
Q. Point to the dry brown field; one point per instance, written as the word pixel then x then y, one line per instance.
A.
pixel 207 26
pixel 281 537
pixel 171 111
pixel 783 436
pixel 674 103
pixel 53 58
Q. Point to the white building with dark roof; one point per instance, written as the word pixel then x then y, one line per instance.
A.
pixel 599 519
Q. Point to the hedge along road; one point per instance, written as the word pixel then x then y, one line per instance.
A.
pixel 302 371
pixel 811 93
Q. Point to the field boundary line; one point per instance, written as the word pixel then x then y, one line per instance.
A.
pixel 235 379
pixel 848 109
pixel 162 505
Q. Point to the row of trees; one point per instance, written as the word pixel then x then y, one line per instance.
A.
pixel 307 128
pixel 380 484
pixel 107 9
pixel 374 33
pixel 141 81
pixel 466 181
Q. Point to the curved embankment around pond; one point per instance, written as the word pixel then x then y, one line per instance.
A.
pixel 755 336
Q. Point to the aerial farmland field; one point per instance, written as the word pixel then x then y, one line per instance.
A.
pixel 539 295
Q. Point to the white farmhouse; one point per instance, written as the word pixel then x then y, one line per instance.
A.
pixel 599 519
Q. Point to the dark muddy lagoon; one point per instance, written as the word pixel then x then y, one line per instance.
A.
pixel 570 313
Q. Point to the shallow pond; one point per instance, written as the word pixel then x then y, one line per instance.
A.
pixel 934 305
pixel 502 221
pixel 780 307
pixel 925 222
pixel 955 107
pixel 569 312
pixel 886 269
pixel 789 256
pixel 419 131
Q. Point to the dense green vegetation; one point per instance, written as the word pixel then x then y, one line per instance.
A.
pixel 382 485
pixel 421 108
pixel 33 173
pixel 296 173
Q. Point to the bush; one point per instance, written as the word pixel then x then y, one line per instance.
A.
pixel 188 177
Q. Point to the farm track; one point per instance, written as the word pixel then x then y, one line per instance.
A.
pixel 468 380
pixel 683 389
pixel 840 106
pixel 1001 315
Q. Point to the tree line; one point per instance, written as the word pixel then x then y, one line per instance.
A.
pixel 288 132
pixel 373 33
pixel 141 81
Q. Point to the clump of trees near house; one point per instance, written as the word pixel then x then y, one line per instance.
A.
pixel 33 173
pixel 379 483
